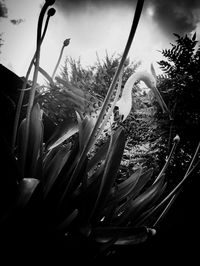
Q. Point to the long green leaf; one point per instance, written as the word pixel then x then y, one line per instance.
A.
pixel 54 168
pixel 137 188
pixel 136 239
pixel 35 140
pixel 124 188
pixel 112 163
pixel 35 137
pixel 127 190
pixel 63 132
pixel 49 156
pixel 99 155
pixel 120 235
pixel 85 126
pixel 26 188
pixel 144 200
pixel 67 221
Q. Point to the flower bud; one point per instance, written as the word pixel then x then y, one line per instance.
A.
pixel 151 231
pixel 51 12
pixel 50 2
pixel 176 138
pixel 66 42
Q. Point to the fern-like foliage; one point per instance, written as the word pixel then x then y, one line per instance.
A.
pixel 180 87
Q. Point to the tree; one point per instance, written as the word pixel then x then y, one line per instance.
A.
pixel 93 81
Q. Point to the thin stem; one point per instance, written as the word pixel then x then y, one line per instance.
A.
pixel 58 62
pixel 33 89
pixel 167 161
pixel 135 22
pixel 193 159
pixel 107 99
pixel 21 97
pixel 87 147
pixel 165 210
pixel 174 193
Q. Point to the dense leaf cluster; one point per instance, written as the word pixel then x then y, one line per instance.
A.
pixel 180 86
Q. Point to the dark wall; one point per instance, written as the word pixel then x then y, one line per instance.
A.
pixel 9 95
pixel 10 87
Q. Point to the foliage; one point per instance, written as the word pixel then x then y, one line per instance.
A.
pixel 140 126
pixel 180 86
pixel 59 193
pixel 93 81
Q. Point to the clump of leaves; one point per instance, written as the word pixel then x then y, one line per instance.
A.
pixel 58 194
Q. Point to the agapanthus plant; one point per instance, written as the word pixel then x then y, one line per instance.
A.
pixel 61 191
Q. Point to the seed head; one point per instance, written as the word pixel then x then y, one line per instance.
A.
pixel 66 42
pixel 51 12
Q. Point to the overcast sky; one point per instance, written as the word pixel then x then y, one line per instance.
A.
pixel 94 26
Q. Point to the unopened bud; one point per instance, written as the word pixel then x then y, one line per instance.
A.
pixel 176 138
pixel 51 12
pixel 66 42
pixel 151 231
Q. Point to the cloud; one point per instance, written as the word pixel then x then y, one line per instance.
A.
pixel 71 4
pixel 172 16
pixel 81 5
pixel 176 16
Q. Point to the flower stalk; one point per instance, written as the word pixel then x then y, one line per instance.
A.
pixel 35 76
pixel 65 43
pixel 50 13
pixel 90 141
pixel 174 193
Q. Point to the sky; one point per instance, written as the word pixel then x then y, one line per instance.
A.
pixel 94 27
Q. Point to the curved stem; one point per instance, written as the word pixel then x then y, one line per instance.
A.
pixel 167 161
pixel 33 89
pixel 58 62
pixel 21 97
pixel 89 143
pixel 174 193
pixel 135 22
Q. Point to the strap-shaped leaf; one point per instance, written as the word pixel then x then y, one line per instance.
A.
pixel 35 140
pixel 67 221
pixel 120 235
pixel 26 188
pixel 142 202
pixel 99 155
pixel 49 156
pixel 132 179
pixel 123 189
pixel 112 163
pixel 128 189
pixel 85 126
pixel 63 132
pixel 136 239
pixel 35 136
pixel 52 171
pixel 136 189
